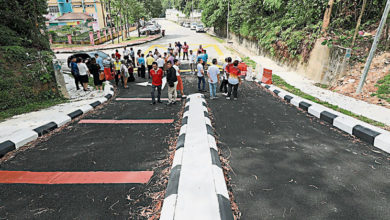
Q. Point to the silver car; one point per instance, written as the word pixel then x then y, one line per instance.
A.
pixel 193 26
pixel 199 28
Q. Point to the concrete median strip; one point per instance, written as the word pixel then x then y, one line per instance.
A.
pixel 373 135
pixel 26 135
pixel 196 187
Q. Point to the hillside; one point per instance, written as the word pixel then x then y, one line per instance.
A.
pixel 27 79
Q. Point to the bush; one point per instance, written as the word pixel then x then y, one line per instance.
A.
pixel 26 70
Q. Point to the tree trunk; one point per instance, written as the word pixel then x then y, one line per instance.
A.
pixel 327 15
pixel 121 14
pixel 358 23
pixel 138 25
pixel 109 8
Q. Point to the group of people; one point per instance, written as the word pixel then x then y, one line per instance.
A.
pixel 229 80
pixel 82 69
pixel 157 66
pixel 154 66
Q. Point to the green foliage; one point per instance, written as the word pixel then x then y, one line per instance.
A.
pixel 26 70
pixel 287 29
pixel 248 61
pixel 383 86
pixel 24 21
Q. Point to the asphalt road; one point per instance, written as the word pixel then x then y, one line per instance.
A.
pixel 175 33
pixel 94 147
pixel 288 164
pixel 284 162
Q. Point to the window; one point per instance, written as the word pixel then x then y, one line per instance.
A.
pixel 54 9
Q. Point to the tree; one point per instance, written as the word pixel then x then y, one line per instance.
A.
pixel 358 22
pixel 327 16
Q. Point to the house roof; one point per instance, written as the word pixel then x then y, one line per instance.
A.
pixel 74 16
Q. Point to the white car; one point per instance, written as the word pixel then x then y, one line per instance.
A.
pixel 193 26
pixel 187 25
pixel 199 28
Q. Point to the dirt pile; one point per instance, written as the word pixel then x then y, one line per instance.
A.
pixel 347 85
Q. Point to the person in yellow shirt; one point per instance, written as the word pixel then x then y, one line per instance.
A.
pixel 117 66
pixel 149 62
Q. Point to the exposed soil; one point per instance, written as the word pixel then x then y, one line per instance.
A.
pixel 347 85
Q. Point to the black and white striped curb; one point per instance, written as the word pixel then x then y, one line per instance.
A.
pixel 27 135
pixel 373 135
pixel 196 187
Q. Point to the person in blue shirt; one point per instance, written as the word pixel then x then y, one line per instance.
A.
pixel 205 57
pixel 74 69
pixel 141 64
pixel 99 61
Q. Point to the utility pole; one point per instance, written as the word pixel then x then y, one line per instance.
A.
pixel 227 23
pixel 373 48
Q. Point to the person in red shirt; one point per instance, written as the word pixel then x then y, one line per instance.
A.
pixel 157 75
pixel 185 51
pixel 117 54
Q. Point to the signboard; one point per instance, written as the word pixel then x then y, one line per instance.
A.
pixel 267 76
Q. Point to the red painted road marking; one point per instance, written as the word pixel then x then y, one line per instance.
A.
pixel 75 177
pixel 137 121
pixel 141 99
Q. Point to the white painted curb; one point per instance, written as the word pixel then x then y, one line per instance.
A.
pixel 27 135
pixel 196 188
pixel 368 133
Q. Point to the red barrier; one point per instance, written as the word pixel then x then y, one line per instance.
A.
pixel 267 76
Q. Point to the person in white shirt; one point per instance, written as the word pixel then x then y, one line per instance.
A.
pixel 160 62
pixel 84 73
pixel 200 75
pixel 192 62
pixel 126 54
pixel 212 73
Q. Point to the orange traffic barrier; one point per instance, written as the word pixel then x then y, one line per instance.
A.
pixel 267 76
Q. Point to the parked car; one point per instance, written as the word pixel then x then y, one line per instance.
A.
pixel 84 56
pixel 193 26
pixel 200 28
pixel 152 29
pixel 187 25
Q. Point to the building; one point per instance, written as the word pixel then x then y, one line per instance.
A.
pixel 73 19
pixel 93 8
